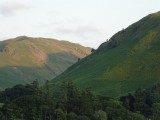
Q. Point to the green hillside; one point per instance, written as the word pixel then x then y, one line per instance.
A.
pixel 24 59
pixel 129 60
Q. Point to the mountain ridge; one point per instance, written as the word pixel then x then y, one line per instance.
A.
pixel 129 60
pixel 24 59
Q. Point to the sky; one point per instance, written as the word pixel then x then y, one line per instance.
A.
pixel 87 22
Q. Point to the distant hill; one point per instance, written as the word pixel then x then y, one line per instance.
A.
pixel 129 60
pixel 24 59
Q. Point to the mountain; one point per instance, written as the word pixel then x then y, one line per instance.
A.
pixel 129 60
pixel 24 59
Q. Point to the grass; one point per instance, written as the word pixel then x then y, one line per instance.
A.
pixel 24 59
pixel 130 60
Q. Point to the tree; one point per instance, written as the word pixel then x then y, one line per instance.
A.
pixel 59 114
pixel 87 102
pixel 156 111
pixel 79 59
pixel 72 116
pixel 135 116
pixel 100 115
pixel 140 103
pixel 128 101
pixel 83 117
pixel 92 50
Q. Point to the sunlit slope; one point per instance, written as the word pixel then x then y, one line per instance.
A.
pixel 24 59
pixel 129 60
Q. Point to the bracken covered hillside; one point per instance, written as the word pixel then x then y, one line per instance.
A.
pixel 24 59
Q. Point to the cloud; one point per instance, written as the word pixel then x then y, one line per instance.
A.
pixel 9 9
pixel 84 32
pixel 59 23
pixel 87 35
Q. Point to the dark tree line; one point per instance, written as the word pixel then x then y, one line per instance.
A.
pixel 30 102
pixel 145 102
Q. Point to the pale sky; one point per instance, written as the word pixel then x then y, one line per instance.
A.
pixel 88 22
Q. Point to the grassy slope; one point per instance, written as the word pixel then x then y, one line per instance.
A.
pixel 129 60
pixel 25 59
